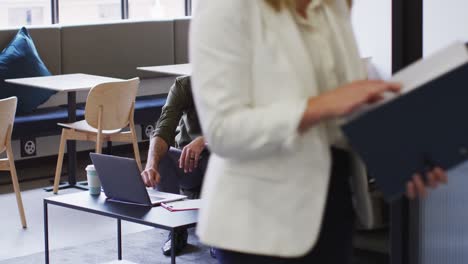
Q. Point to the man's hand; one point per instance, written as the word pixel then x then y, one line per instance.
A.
pixel 191 154
pixel 157 150
pixel 151 177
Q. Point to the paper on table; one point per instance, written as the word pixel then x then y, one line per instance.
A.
pixel 423 71
pixel 183 205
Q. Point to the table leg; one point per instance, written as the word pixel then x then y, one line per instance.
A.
pixel 109 148
pixel 71 150
pixel 173 245
pixel 46 233
pixel 119 238
pixel 71 144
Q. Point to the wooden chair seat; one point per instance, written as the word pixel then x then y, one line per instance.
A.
pixel 85 127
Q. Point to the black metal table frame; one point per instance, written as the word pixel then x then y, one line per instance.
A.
pixel 71 150
pixel 119 227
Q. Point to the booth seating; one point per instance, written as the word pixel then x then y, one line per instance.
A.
pixel 44 120
pixel 111 50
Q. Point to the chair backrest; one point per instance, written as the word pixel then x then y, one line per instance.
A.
pixel 116 100
pixel 7 117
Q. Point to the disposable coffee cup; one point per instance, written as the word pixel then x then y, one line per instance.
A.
pixel 94 184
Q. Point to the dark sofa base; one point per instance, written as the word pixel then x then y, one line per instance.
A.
pixel 43 122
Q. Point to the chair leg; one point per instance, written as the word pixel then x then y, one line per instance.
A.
pixel 99 143
pixel 14 179
pixel 58 170
pixel 136 150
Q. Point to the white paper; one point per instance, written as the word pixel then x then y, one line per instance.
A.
pixel 185 204
pixel 421 72
pixel 432 67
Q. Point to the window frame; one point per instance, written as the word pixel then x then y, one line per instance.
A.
pixel 55 18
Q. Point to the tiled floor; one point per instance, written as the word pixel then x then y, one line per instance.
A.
pixel 70 228
pixel 67 227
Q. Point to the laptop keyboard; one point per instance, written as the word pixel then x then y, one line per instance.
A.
pixel 156 198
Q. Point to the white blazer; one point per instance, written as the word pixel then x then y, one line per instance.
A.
pixel 266 185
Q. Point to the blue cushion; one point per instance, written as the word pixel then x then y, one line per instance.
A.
pixel 43 122
pixel 151 101
pixel 18 60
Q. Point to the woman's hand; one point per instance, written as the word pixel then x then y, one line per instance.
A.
pixel 191 154
pixel 344 100
pixel 417 188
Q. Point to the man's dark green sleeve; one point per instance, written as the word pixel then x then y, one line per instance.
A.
pixel 177 101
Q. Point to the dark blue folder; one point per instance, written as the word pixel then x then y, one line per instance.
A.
pixel 425 127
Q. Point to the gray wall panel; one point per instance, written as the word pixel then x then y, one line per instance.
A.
pixel 117 49
pixel 181 40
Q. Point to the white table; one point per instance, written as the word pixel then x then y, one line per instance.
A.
pixel 175 69
pixel 69 83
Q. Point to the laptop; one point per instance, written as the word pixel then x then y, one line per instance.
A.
pixel 122 182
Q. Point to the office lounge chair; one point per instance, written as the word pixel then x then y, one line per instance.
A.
pixel 7 117
pixel 109 109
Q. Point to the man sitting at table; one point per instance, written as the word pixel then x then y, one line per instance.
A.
pixel 178 169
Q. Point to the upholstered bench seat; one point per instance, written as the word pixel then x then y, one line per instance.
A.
pixel 42 122
pixel 148 108
pixel 112 49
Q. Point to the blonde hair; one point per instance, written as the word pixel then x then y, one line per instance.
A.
pixel 280 4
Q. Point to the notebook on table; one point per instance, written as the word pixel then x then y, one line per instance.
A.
pixel 184 205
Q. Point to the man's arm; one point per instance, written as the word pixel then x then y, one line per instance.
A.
pixel 165 132
pixel 157 150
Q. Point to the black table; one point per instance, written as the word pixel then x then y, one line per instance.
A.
pixel 156 217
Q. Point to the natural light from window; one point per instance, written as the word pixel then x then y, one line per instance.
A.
pixel 194 6
pixel 89 11
pixel 156 9
pixel 15 13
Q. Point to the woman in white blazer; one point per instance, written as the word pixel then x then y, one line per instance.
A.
pixel 271 79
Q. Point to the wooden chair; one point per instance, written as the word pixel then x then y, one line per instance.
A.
pixel 109 109
pixel 7 117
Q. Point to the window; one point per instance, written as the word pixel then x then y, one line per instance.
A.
pixel 16 13
pixel 443 23
pixel 89 11
pixel 441 237
pixel 159 9
pixel 372 21
pixel 194 6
